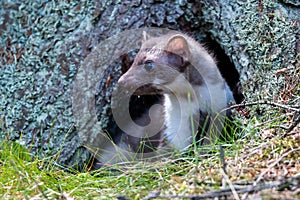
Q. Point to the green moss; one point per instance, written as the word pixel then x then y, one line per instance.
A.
pixel 42 45
pixel 259 37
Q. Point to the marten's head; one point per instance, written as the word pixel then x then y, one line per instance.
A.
pixel 158 65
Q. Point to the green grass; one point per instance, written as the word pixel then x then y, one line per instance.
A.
pixel 23 177
pixel 195 172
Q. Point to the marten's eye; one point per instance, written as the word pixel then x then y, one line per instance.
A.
pixel 149 65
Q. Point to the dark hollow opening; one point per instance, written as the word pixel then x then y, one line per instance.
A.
pixel 227 68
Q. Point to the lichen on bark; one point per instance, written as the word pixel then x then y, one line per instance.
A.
pixel 44 43
pixel 259 36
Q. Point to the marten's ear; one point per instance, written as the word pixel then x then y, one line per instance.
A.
pixel 145 37
pixel 178 45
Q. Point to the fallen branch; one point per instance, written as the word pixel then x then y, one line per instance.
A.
pixel 273 165
pixel 233 190
pixel 294 124
pixel 288 129
pixel 265 103
pixel 228 191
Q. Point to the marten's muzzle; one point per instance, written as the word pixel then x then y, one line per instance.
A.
pixel 148 89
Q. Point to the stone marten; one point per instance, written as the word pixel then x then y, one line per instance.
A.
pixel 195 94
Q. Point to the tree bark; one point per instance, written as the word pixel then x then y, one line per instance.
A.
pixel 43 45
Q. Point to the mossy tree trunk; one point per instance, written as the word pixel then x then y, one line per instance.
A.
pixel 43 44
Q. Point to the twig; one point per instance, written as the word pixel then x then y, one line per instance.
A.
pixel 253 150
pixel 294 124
pixel 121 197
pixel 288 129
pixel 273 164
pixel 265 102
pixel 228 191
pixel 235 194
pixel 223 159
pixel 292 108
